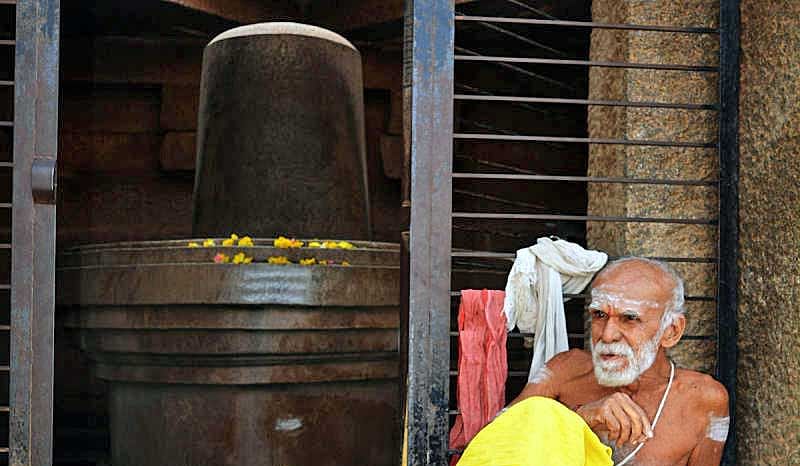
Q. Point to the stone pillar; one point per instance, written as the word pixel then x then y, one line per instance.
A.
pixel 768 385
pixel 635 200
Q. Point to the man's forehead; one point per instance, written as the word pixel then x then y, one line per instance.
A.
pixel 636 281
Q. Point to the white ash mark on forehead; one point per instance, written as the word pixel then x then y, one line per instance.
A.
pixel 601 297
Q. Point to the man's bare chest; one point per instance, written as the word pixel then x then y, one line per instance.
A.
pixel 675 436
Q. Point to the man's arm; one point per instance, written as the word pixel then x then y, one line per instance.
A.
pixel 708 451
pixel 547 380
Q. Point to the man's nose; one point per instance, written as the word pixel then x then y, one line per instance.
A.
pixel 611 332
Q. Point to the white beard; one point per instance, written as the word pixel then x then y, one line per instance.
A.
pixel 610 374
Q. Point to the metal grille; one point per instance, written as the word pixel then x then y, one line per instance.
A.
pixel 499 99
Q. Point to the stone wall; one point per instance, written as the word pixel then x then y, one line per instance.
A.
pixel 768 385
pixel 642 200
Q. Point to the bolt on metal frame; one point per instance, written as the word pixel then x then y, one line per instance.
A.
pixel 430 57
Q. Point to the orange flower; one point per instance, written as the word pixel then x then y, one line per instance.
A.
pixel 221 258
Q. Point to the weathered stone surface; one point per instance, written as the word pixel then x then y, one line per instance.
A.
pixel 178 151
pixel 658 201
pixel 119 110
pixel 768 385
pixel 179 106
pixel 108 152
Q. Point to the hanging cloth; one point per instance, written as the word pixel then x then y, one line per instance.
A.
pixel 482 363
pixel 534 300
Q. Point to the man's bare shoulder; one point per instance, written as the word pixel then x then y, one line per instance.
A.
pixel 571 364
pixel 703 390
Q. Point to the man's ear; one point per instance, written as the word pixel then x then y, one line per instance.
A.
pixel 674 332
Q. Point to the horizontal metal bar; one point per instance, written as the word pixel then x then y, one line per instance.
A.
pixel 456 294
pixel 8 42
pixel 520 37
pixel 6 164
pixel 5 205
pixel 584 218
pixel 6 83
pixel 8 2
pixel 598 102
pixel 525 6
pixel 5 328
pixel 5 245
pixel 511 255
pixel 589 24
pixel 587 179
pixel 5 287
pixel 5 368
pixel 517 69
pixel 4 409
pixel 7 123
pixel 597 63
pixel 625 142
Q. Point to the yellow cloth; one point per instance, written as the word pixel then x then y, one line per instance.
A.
pixel 537 432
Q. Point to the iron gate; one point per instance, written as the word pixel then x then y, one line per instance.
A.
pixel 29 85
pixel 444 208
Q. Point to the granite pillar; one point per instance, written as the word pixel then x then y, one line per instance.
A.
pixel 768 382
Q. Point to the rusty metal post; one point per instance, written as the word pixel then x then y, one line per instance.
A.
pixel 33 237
pixel 428 72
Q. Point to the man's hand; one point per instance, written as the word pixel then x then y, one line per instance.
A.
pixel 624 420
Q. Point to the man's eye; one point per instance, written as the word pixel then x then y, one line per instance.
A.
pixel 631 317
pixel 598 314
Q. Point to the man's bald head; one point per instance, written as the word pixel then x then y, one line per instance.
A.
pixel 644 279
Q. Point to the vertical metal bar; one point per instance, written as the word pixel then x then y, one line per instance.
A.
pixel 430 30
pixel 728 281
pixel 33 234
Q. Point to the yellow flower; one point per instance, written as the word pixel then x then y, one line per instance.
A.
pixel 315 244
pixel 345 263
pixel 345 245
pixel 278 260
pixel 245 242
pixel 230 241
pixel 208 243
pixel 221 258
pixel 309 261
pixel 330 244
pixel 193 244
pixel 284 243
pixel 240 258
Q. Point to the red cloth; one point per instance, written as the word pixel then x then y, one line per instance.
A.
pixel 482 363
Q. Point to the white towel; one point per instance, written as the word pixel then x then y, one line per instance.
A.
pixel 534 301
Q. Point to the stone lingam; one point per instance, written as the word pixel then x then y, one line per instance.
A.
pixel 267 363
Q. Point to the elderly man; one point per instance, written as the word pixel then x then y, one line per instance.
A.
pixel 626 389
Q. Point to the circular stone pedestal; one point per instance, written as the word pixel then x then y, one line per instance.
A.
pixel 242 365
